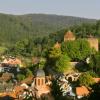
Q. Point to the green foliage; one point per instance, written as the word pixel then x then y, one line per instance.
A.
pixel 86 80
pixel 14 28
pixel 56 90
pixel 54 53
pixel 53 56
pixel 94 64
pixel 3 50
pixel 42 63
pixel 62 64
pixel 76 50
pixel 95 95
pixel 28 72
pixel 70 48
pixel 93 74
pixel 20 77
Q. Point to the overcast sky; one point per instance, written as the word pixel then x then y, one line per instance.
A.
pixel 81 8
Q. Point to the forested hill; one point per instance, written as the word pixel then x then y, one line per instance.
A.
pixel 15 27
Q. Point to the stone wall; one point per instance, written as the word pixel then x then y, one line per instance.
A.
pixel 93 43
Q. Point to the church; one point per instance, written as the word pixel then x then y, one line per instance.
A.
pixel 40 86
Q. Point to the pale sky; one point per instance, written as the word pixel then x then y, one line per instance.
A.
pixel 80 8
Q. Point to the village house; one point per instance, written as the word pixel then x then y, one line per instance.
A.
pixel 10 64
pixel 82 91
pixel 12 61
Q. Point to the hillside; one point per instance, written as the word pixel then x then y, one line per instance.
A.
pixel 16 27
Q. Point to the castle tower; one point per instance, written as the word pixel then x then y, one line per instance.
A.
pixel 69 36
pixel 94 43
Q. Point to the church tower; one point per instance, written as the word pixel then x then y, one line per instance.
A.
pixel 40 87
pixel 39 78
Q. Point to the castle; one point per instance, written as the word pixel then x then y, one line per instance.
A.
pixel 69 36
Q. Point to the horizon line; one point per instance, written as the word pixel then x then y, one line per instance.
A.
pixel 30 13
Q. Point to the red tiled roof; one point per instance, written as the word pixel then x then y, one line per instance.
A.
pixel 12 61
pixel 18 89
pixel 43 90
pixel 82 91
pixel 10 94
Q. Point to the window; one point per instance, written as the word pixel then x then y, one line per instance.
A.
pixel 42 81
pixel 38 81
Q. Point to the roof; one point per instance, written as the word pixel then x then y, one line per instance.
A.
pixel 27 80
pixel 19 89
pixel 39 73
pixel 82 91
pixel 57 45
pixel 69 34
pixel 6 76
pixel 43 90
pixel 12 61
pixel 97 80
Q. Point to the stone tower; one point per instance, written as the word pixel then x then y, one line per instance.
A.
pixel 69 36
pixel 94 43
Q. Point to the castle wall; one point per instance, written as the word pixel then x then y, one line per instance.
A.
pixel 69 39
pixel 93 43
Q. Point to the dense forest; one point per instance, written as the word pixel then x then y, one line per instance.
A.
pixel 17 27
pixel 32 39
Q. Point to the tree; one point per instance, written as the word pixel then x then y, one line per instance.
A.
pixel 76 50
pixel 94 64
pixel 42 63
pixel 56 92
pixel 28 72
pixel 62 64
pixel 70 48
pixel 20 77
pixel 95 95
pixel 86 80
pixel 54 53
